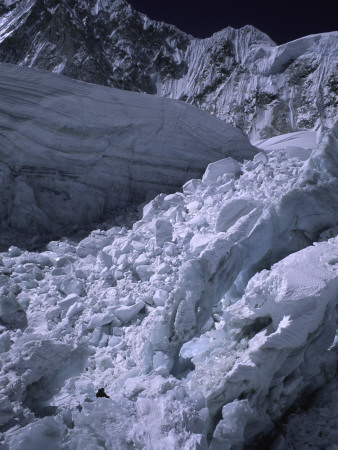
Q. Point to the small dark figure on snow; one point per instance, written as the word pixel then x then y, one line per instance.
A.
pixel 101 393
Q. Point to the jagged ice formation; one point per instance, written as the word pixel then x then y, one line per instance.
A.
pixel 196 322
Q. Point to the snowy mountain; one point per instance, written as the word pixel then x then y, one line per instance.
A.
pixel 70 151
pixel 241 76
pixel 208 321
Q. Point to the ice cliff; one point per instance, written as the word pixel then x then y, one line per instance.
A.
pixel 203 324
pixel 241 76
pixel 69 150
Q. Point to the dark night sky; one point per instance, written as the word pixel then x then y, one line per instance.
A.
pixel 282 20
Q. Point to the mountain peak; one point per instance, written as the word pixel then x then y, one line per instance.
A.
pixel 108 5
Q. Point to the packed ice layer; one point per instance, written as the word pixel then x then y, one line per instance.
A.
pixel 70 150
pixel 199 327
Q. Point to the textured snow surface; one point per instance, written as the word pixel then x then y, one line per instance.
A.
pixel 71 150
pixel 241 76
pixel 204 323
pixel 298 144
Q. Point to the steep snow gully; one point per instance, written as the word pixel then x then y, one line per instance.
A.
pixel 203 326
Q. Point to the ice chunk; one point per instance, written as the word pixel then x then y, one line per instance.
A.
pixel 65 303
pixel 6 410
pixel 194 347
pixel 53 313
pixel 14 251
pixel 220 168
pixel 191 187
pixel 43 434
pixel 234 428
pixel 163 232
pixel 160 297
pixel 141 260
pixel 232 211
pixel 75 310
pixel 72 285
pixel 144 272
pixel 12 316
pixel 5 342
pixel 128 313
pixel 98 320
pixel 163 268
pixel 114 341
pixel 200 241
pixel 92 245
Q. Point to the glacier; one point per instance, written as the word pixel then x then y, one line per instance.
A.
pixel 204 324
pixel 241 76
pixel 70 151
pixel 164 282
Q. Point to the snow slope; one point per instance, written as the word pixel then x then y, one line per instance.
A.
pixel 204 323
pixel 241 76
pixel 71 150
pixel 297 144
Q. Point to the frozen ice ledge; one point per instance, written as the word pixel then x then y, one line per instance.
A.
pixel 70 150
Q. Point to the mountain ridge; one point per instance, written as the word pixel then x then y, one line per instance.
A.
pixel 241 76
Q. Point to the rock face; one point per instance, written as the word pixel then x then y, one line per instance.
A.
pixel 241 76
pixel 71 150
pixel 104 42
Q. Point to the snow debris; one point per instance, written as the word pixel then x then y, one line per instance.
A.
pixel 203 324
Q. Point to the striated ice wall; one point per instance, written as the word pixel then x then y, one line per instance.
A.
pixel 71 150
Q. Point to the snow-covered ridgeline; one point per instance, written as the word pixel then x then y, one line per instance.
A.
pixel 70 150
pixel 241 75
pixel 165 319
